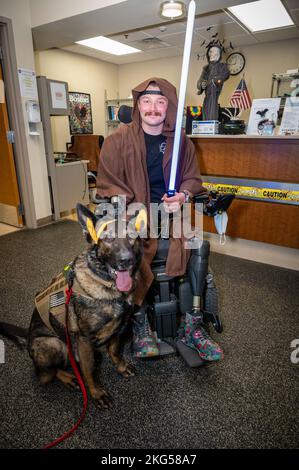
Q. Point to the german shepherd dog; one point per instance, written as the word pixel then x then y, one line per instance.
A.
pixel 105 274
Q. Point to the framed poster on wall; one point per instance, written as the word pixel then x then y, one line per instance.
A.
pixel 58 97
pixel 80 117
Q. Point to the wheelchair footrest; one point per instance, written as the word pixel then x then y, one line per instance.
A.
pixel 190 356
pixel 164 348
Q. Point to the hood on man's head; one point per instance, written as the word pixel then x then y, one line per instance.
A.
pixel 167 90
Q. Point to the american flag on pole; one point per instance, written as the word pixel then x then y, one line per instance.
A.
pixel 241 98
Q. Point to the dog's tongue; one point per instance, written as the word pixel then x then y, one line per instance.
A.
pixel 123 281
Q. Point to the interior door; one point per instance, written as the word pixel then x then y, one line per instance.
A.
pixel 9 191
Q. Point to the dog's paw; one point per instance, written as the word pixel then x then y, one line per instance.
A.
pixel 73 384
pixel 102 399
pixel 127 371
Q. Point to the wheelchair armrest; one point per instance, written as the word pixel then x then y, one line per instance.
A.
pixel 218 205
pixel 213 202
pixel 201 198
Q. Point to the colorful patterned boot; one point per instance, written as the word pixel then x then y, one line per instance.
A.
pixel 192 333
pixel 144 341
pixel 187 325
pixel 207 348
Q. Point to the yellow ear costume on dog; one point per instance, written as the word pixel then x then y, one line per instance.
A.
pixel 104 226
pixel 92 232
pixel 140 223
pixel 141 220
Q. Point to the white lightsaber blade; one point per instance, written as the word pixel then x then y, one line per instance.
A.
pixel 182 93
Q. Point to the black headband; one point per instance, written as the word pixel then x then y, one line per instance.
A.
pixel 151 92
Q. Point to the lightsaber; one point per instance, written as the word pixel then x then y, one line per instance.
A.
pixel 182 93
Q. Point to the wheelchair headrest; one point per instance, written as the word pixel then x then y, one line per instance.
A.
pixel 125 114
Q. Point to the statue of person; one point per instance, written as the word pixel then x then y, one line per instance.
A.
pixel 211 82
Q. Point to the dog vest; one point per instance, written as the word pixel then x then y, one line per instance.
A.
pixel 52 299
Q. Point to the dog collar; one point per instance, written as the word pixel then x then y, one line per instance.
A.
pixel 69 274
pixel 103 277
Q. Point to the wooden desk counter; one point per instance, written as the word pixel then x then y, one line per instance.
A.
pixel 252 159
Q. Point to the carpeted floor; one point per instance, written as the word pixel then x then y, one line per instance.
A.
pixel 249 400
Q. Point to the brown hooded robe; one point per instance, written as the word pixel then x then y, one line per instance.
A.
pixel 123 171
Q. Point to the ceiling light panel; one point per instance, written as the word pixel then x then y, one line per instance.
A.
pixel 262 15
pixel 108 45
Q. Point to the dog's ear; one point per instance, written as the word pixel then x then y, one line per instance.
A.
pixel 87 220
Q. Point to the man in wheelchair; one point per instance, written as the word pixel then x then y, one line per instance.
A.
pixel 135 162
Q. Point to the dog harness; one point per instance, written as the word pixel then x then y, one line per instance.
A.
pixel 53 298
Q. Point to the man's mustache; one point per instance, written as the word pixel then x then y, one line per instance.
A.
pixel 154 113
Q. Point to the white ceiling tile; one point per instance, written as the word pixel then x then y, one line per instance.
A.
pixel 295 16
pixel 197 34
pixel 278 35
pixel 215 19
pixel 178 27
pixel 174 39
pixel 226 30
pixel 134 36
pixel 292 3
pixel 242 40
pixel 148 46
pixel 113 59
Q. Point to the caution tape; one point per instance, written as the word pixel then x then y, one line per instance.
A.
pixel 253 192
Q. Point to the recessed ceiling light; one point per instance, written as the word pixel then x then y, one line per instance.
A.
pixel 262 15
pixel 108 45
pixel 172 9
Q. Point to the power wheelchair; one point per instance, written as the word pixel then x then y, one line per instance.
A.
pixel 171 297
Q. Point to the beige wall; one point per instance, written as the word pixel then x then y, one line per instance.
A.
pixel 19 12
pixel 83 74
pixel 261 61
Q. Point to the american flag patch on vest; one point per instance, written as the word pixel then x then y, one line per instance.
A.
pixel 57 299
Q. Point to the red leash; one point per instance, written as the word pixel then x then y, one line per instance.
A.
pixel 77 374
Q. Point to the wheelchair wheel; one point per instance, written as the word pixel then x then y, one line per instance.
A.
pixel 211 304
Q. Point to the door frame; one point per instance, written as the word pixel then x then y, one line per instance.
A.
pixel 16 119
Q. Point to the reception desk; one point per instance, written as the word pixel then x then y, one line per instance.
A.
pixel 263 172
